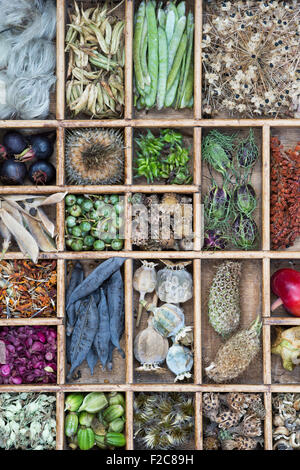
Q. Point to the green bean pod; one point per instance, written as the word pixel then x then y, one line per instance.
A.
pixel 181 9
pixel 170 25
pixel 177 62
pixel 189 55
pixel 171 94
pixel 163 68
pixel 143 54
pixel 175 41
pixel 152 54
pixel 138 31
pixel 189 88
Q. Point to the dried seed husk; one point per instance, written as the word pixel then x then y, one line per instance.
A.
pixel 25 241
pixel 43 240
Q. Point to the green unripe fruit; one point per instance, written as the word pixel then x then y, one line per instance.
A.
pixel 71 424
pixel 86 438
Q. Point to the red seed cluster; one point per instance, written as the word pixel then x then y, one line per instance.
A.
pixel 285 195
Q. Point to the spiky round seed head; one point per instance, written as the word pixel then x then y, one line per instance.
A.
pixel 94 156
pixel 224 299
pixel 234 356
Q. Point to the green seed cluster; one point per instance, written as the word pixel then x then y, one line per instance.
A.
pixel 94 222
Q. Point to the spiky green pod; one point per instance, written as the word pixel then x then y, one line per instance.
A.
pixel 224 299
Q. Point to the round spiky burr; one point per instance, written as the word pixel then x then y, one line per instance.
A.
pixel 94 156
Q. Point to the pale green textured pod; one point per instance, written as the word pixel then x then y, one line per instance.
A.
pixel 94 402
pixel 224 299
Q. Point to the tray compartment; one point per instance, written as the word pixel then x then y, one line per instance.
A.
pixel 256 179
pixel 170 113
pixel 163 375
pixel 251 305
pixel 189 445
pixel 187 143
pixel 277 264
pixel 119 12
pixel 289 137
pixel 82 374
pixel 53 159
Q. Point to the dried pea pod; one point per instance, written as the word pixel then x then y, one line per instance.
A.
pixel 115 289
pixel 102 338
pixel 83 333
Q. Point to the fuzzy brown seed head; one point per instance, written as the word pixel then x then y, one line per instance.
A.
pixel 234 357
pixel 94 156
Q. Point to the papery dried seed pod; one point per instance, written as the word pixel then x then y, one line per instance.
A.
pixel 174 283
pixel 144 281
pixel 180 361
pixel 210 405
pixel 150 348
pixel 227 419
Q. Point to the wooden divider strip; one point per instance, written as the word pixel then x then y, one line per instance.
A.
pixel 268 421
pixel 266 344
pixel 60 59
pixel 198 422
pixel 129 420
pixel 60 157
pixel 60 420
pixel 129 320
pixel 266 301
pixel 197 322
pixel 128 58
pixel 61 359
pixel 266 187
pixel 61 279
pixel 198 60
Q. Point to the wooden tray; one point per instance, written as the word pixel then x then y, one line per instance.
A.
pixel 259 263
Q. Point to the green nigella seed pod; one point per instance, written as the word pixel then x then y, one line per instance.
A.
pixel 113 412
pixel 71 424
pixel 86 438
pixel 94 402
pixel 224 299
pixel 85 418
pixel 73 401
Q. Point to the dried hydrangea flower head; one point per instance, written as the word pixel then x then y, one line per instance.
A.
pixel 250 52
